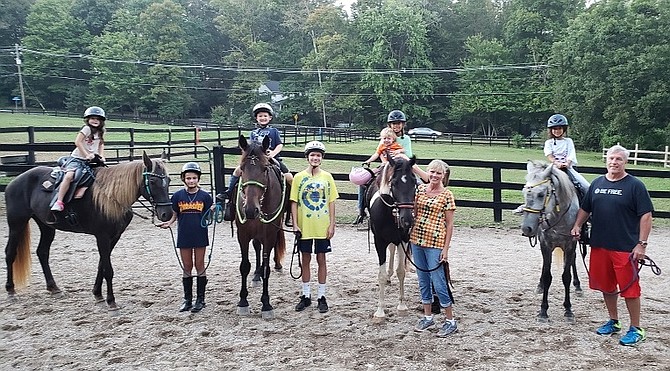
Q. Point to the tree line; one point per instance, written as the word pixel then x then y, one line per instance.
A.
pixel 490 67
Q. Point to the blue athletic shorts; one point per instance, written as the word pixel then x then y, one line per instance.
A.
pixel 321 246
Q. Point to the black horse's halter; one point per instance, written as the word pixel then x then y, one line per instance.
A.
pixel 264 218
pixel 146 176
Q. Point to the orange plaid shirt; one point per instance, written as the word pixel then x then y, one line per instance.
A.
pixel 430 221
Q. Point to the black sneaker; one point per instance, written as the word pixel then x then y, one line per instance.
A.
pixel 304 303
pixel 323 306
pixel 359 219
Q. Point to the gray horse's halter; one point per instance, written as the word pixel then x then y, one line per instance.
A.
pixel 542 211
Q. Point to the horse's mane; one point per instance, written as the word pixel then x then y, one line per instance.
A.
pixel 384 178
pixel 561 181
pixel 116 188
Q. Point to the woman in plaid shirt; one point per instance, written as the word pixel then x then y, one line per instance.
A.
pixel 430 238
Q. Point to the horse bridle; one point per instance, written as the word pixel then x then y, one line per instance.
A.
pixel 542 218
pixel 263 217
pixel 146 175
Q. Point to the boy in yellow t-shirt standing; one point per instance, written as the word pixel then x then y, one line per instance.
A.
pixel 313 196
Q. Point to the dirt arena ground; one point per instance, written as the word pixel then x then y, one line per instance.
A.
pixel 495 272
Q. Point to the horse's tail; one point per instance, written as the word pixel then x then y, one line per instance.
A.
pixel 558 256
pixel 280 248
pixel 23 262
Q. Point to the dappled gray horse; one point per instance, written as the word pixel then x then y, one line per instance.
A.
pixel 550 210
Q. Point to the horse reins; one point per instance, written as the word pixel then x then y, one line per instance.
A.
pixel 636 272
pixel 266 218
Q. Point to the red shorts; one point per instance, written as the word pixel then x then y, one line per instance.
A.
pixel 610 271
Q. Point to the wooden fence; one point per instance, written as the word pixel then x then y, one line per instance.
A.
pixel 178 149
pixel 653 157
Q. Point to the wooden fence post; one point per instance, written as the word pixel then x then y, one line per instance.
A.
pixel 497 192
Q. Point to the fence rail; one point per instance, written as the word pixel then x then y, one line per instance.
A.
pixel 174 149
pixel 655 157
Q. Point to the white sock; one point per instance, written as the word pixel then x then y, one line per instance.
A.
pixel 430 318
pixel 321 290
pixel 306 290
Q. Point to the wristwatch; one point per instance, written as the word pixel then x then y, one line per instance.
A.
pixel 643 243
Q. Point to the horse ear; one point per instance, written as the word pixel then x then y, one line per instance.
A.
pixel 547 171
pixel 164 156
pixel 147 161
pixel 242 141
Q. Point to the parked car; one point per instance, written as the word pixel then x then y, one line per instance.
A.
pixel 424 133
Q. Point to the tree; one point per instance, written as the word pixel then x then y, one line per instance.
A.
pixel 393 45
pixel 53 43
pixel 488 94
pixel 612 78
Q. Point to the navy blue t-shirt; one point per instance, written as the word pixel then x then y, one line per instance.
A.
pixel 190 208
pixel 616 208
pixel 259 133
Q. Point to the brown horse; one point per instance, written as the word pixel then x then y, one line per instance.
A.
pixel 105 210
pixel 260 203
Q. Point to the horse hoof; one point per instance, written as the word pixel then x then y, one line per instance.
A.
pixel 54 290
pixel 278 267
pixel 579 292
pixel 402 309
pixel 543 319
pixel 99 299
pixel 380 313
pixel 113 307
pixel 378 320
pixel 270 314
pixel 256 283
pixel 243 311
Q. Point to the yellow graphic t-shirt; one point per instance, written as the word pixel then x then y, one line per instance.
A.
pixel 313 194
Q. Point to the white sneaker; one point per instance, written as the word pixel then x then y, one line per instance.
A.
pixel 58 206
pixel 518 210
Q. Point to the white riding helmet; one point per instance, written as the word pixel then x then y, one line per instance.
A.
pixel 314 145
pixel 262 107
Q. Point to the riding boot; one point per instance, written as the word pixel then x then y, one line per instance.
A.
pixel 288 222
pixel 200 291
pixel 188 294
pixel 229 209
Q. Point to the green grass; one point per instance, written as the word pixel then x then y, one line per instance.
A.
pixel 347 209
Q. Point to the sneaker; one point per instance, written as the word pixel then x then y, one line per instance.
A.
pixel 449 327
pixel 359 219
pixel 633 336
pixel 424 324
pixel 518 210
pixel 58 206
pixel 323 306
pixel 610 327
pixel 304 303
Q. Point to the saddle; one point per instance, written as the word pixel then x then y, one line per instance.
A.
pixel 83 178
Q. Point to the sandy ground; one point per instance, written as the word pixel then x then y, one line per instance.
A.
pixel 495 273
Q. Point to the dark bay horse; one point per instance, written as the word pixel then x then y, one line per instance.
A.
pixel 391 200
pixel 260 204
pixel 550 210
pixel 103 211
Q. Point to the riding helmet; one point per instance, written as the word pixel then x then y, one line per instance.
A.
pixel 314 145
pixel 557 120
pixel 396 115
pixel 94 111
pixel 262 107
pixel 192 167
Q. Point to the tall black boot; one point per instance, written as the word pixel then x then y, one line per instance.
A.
pixel 188 294
pixel 200 291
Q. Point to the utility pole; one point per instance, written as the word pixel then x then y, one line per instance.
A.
pixel 18 66
pixel 318 69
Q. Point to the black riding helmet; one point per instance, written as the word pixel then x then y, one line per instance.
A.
pixel 192 167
